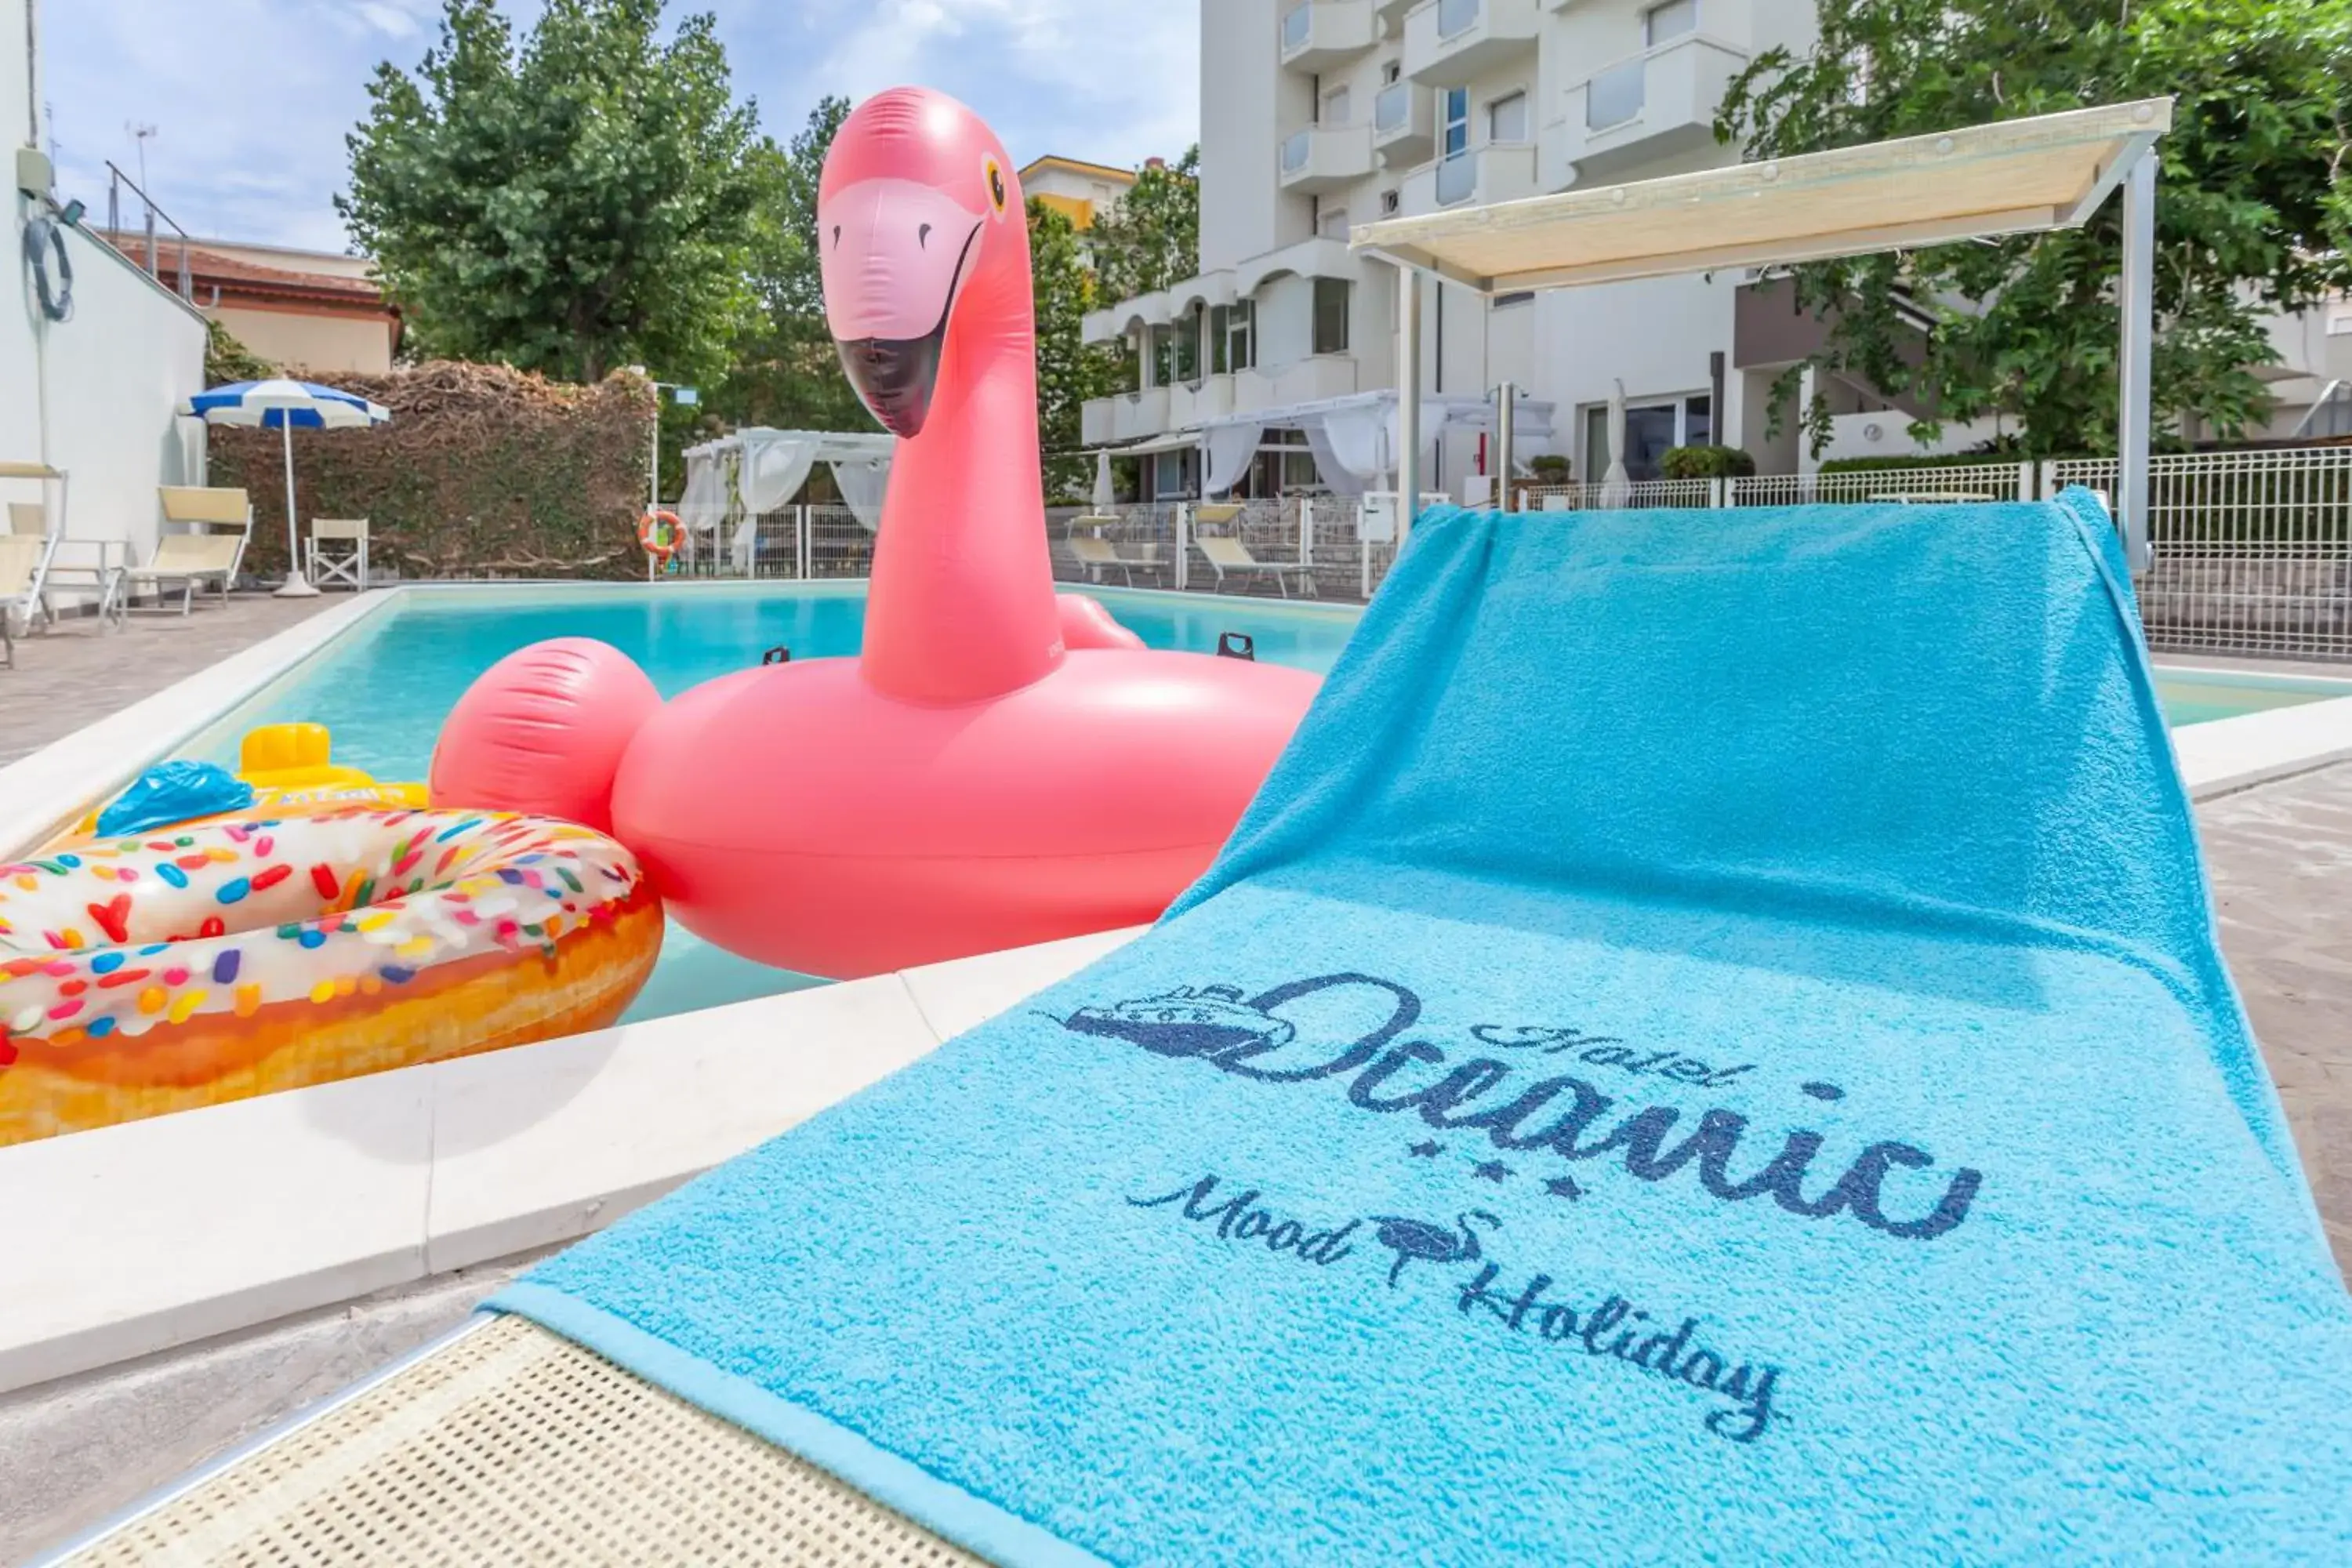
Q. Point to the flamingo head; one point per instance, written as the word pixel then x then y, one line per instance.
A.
pixel 918 208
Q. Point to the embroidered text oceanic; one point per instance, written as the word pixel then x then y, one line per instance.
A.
pixel 1560 1114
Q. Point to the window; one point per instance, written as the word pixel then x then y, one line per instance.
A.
pixel 1509 302
pixel 1457 122
pixel 1699 422
pixel 1163 356
pixel 1172 474
pixel 1188 346
pixel 1390 204
pixel 1220 326
pixel 1240 335
pixel 1331 223
pixel 1506 117
pixel 1671 20
pixel 1284 465
pixel 1391 73
pixel 1331 316
pixel 1334 107
pixel 1649 428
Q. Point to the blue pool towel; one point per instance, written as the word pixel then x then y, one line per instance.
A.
pixel 1710 1046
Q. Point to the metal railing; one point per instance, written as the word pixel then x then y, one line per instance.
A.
pixel 2250 551
pixel 1973 481
pixel 117 182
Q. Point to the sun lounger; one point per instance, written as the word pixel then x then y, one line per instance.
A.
pixel 1225 555
pixel 24 577
pixel 1791 1109
pixel 1099 555
pixel 219 521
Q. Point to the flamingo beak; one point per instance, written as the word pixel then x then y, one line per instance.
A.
pixel 895 254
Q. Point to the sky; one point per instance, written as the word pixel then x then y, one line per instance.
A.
pixel 250 99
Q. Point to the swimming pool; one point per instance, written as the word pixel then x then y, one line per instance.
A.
pixel 385 687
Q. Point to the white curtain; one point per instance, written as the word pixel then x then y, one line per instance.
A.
pixel 1340 475
pixel 773 473
pixel 1229 450
pixel 705 501
pixel 1362 439
pixel 864 481
pixel 774 470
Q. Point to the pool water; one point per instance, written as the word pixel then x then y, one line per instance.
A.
pixel 385 689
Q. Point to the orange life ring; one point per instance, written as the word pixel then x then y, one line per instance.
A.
pixel 658 534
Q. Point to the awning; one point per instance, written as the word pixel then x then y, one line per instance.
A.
pixel 1173 441
pixel 2013 177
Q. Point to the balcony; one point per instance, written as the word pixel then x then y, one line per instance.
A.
pixel 1126 417
pixel 1303 381
pixel 1318 35
pixel 1190 403
pixel 1447 42
pixel 1498 172
pixel 1326 157
pixel 1651 106
pixel 1403 130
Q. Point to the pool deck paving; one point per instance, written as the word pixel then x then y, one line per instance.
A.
pixel 2280 855
pixel 83 669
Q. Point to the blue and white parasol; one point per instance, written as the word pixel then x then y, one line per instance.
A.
pixel 288 406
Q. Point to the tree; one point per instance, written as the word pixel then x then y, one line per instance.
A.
pixel 227 359
pixel 1152 237
pixel 785 371
pixel 2252 217
pixel 1069 372
pixel 575 203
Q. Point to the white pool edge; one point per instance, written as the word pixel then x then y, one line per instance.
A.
pixel 154 1235
pixel 47 791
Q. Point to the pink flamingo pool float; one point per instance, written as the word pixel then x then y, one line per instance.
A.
pixel 999 764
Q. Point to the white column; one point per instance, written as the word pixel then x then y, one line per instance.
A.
pixel 2137 301
pixel 1408 359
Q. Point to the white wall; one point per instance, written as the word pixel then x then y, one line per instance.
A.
pixel 1239 139
pixel 20 419
pixel 94 394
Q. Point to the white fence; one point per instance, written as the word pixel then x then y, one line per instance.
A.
pixel 2251 550
pixel 817 540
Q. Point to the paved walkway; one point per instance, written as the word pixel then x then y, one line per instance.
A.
pixel 2281 858
pixel 80 670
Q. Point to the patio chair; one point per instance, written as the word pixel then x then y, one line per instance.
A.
pixel 30 520
pixel 1099 555
pixel 210 552
pixel 1225 555
pixel 345 559
pixel 24 568
pixel 24 577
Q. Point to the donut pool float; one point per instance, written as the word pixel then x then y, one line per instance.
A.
pixel 190 965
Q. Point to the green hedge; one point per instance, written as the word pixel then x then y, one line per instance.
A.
pixel 1706 463
pixel 483 470
pixel 1948 460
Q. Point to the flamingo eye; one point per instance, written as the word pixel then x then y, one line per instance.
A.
pixel 994 173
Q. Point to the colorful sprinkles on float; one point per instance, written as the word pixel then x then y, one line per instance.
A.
pixel 184 966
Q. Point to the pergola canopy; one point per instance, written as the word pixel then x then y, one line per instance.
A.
pixel 2014 176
